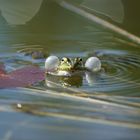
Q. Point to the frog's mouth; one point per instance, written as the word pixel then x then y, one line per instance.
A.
pixel 65 68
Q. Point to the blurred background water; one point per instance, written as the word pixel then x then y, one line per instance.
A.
pixel 104 105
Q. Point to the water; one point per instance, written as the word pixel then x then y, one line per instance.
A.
pixel 104 105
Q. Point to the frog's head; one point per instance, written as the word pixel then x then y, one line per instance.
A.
pixel 65 64
pixel 78 63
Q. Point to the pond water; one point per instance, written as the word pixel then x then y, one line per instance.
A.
pixel 103 105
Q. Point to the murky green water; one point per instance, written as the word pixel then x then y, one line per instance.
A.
pixel 104 105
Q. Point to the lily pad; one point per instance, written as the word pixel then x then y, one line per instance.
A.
pixel 2 69
pixel 22 77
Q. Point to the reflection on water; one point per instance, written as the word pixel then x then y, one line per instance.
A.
pixel 78 107
pixel 115 11
pixel 56 114
pixel 19 12
pixel 76 80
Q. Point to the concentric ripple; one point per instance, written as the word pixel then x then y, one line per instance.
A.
pixel 120 75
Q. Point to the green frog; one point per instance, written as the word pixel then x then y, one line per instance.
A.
pixel 65 67
pixel 70 71
pixel 69 67
pixel 78 64
pixel 65 64
pixel 67 72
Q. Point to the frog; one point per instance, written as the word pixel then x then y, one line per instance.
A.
pixel 69 71
pixel 65 67
pixel 70 66
pixel 65 72
pixel 65 64
pixel 78 64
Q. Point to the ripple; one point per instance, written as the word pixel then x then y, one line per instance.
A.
pixel 120 75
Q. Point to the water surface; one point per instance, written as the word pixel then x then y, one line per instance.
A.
pixel 104 105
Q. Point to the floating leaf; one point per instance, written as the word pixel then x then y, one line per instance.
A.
pixel 22 77
pixel 2 69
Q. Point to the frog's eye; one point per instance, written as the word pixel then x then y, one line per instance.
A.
pixel 78 59
pixel 64 59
